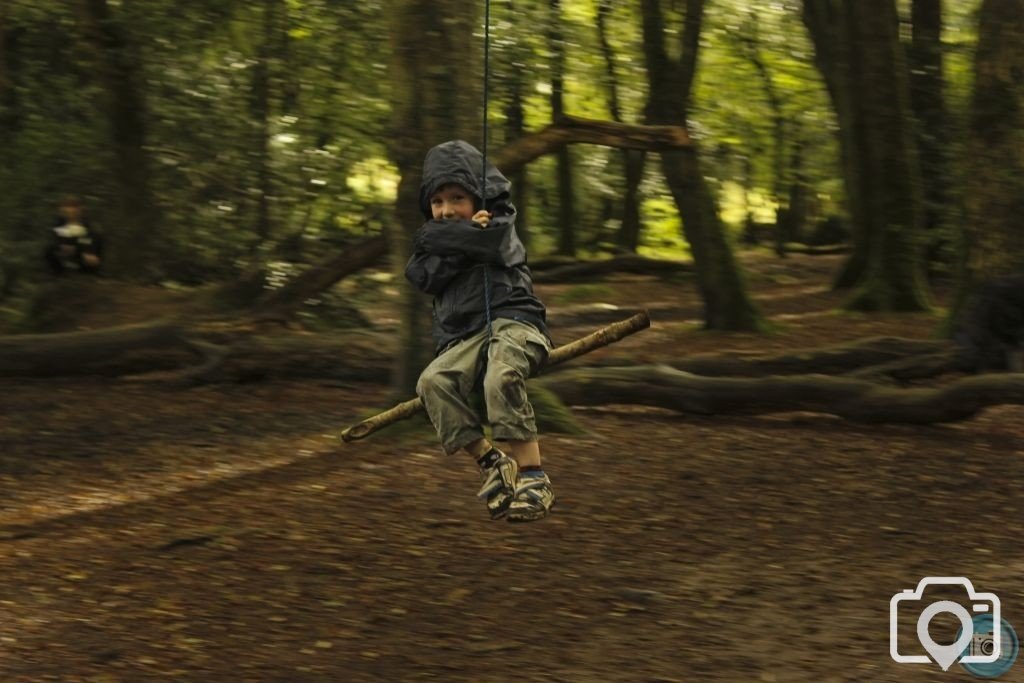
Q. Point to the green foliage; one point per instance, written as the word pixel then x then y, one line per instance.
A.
pixel 327 111
pixel 663 236
pixel 316 146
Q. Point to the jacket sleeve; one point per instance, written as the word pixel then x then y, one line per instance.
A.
pixel 497 244
pixel 431 273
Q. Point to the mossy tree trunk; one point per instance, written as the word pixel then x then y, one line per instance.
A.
pixel 726 303
pixel 994 185
pixel 858 51
pixel 435 97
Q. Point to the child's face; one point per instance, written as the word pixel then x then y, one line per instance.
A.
pixel 452 202
pixel 70 212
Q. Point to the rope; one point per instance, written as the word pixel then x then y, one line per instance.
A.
pixel 483 171
pixel 487 56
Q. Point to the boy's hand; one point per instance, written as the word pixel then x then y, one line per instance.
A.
pixel 482 217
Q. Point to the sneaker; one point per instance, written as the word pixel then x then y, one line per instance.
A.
pixel 499 485
pixel 533 499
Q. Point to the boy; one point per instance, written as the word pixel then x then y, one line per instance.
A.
pixel 74 245
pixel 469 257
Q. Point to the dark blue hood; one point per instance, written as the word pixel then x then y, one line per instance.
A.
pixel 457 161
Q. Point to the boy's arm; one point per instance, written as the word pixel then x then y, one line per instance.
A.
pixel 431 273
pixel 496 244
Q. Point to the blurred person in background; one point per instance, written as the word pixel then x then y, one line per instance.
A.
pixel 74 244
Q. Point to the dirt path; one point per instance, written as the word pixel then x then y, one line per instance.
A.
pixel 218 534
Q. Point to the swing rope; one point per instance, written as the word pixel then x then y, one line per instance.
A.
pixel 483 171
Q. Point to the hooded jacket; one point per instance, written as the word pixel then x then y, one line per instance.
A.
pixel 450 256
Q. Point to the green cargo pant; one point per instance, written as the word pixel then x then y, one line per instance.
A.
pixel 516 351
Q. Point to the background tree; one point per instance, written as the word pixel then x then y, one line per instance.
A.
pixel 670 80
pixel 633 161
pixel 994 167
pixel 118 65
pixel 435 97
pixel 514 76
pixel 858 50
pixel 266 129
pixel 927 88
pixel 567 217
pixel 748 42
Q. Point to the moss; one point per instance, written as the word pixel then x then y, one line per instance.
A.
pixel 553 416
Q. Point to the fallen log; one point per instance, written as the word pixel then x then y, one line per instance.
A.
pixel 817 249
pixel 352 357
pixel 109 351
pixel 826 360
pixel 626 263
pixel 873 358
pixel 226 350
pixel 603 337
pixel 852 399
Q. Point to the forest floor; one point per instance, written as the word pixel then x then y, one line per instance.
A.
pixel 220 533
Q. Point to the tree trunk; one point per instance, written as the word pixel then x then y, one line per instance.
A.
pixel 9 114
pixel 994 193
pixel 726 303
pixel 120 73
pixel 750 49
pixel 994 187
pixel 628 237
pixel 858 50
pixel 6 83
pixel 796 205
pixel 567 218
pixel 260 111
pixel 566 204
pixel 831 56
pixel 629 232
pixel 431 102
pixel 926 98
pixel 515 127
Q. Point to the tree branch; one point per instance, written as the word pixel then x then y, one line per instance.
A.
pixel 595 340
pixel 279 304
pixel 572 130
